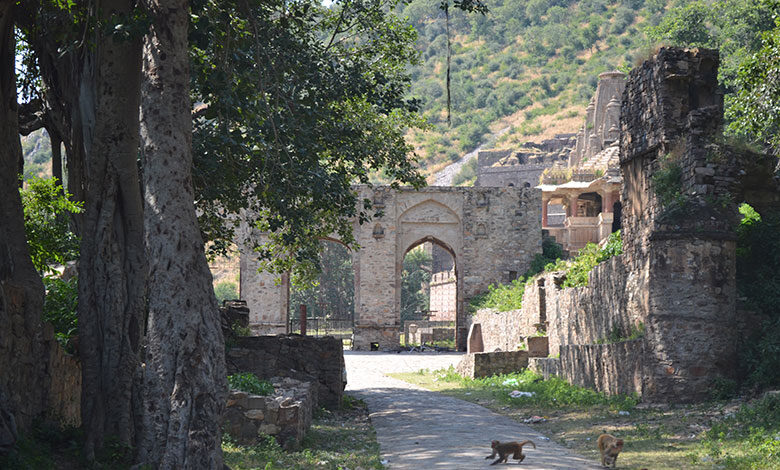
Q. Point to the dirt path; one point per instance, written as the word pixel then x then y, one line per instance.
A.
pixel 418 429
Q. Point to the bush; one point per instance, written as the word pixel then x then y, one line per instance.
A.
pixel 60 308
pixel 225 290
pixel 46 208
pixel 249 383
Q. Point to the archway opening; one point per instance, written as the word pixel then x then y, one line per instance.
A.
pixel 429 296
pixel 330 303
pixel 588 205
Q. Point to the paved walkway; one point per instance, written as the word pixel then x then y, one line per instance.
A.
pixel 420 430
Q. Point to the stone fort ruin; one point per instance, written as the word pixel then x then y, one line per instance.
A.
pixel 491 233
pixel 674 284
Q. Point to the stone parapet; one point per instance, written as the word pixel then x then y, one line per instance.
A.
pixel 318 360
pixel 485 364
pixel 286 415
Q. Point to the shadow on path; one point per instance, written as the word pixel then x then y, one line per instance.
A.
pixel 420 429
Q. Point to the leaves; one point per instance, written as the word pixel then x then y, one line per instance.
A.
pixel 46 209
pixel 302 102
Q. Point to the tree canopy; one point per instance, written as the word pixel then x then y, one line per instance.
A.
pixel 299 102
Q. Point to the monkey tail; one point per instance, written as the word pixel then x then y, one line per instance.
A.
pixel 527 442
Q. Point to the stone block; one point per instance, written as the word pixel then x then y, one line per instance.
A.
pixel 475 343
pixel 485 364
pixel 538 346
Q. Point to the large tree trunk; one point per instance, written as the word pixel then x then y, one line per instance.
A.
pixel 23 354
pixel 112 267
pixel 184 376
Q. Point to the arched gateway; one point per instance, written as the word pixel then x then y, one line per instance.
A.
pixel 492 234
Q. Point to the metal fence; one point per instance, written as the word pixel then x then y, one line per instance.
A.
pixel 316 326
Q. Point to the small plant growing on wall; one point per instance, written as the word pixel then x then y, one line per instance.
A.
pixel 249 383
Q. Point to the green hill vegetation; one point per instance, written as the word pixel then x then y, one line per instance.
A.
pixel 529 66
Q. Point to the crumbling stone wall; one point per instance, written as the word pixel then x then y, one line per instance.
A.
pixel 676 277
pixel 286 414
pixel 485 364
pixel 317 360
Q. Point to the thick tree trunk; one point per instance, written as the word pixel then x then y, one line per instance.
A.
pixel 184 376
pixel 23 352
pixel 112 267
pixel 56 159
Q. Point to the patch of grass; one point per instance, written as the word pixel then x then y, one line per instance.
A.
pixel 249 383
pixel 748 438
pixel 546 394
pixel 337 440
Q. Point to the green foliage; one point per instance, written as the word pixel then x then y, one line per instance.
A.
pixel 249 383
pixel 467 175
pixel 588 257
pixel 758 262
pixel 46 209
pixel 301 102
pixel 514 58
pixel 616 334
pixel 60 308
pixel 510 296
pixel 752 431
pixel 667 182
pixel 333 295
pixel 754 110
pixel 225 290
pixel 746 34
pixel 550 394
pixel 48 446
pixel 416 275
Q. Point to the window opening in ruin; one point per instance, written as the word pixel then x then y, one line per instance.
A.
pixel 330 304
pixel 428 296
pixel 588 205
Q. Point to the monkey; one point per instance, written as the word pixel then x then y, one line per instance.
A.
pixel 609 448
pixel 503 449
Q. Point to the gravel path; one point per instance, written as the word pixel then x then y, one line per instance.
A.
pixel 418 429
pixel 446 175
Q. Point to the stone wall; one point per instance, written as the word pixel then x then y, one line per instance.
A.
pixel 523 166
pixel 318 360
pixel 676 276
pixel 616 368
pixel 286 414
pixel 485 364
pixel 501 331
pixel 65 391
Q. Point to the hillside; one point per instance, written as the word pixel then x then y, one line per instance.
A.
pixel 529 66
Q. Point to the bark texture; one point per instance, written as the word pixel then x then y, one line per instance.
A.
pixel 112 267
pixel 184 376
pixel 23 350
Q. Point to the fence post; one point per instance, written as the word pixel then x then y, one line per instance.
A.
pixel 303 319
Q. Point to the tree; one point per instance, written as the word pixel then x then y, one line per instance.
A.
pixel 300 103
pixel 49 238
pixel 184 379
pixel 755 109
pixel 21 289
pixel 415 277
pixel 112 266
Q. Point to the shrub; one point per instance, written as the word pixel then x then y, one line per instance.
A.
pixel 46 208
pixel 60 308
pixel 225 290
pixel 249 383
